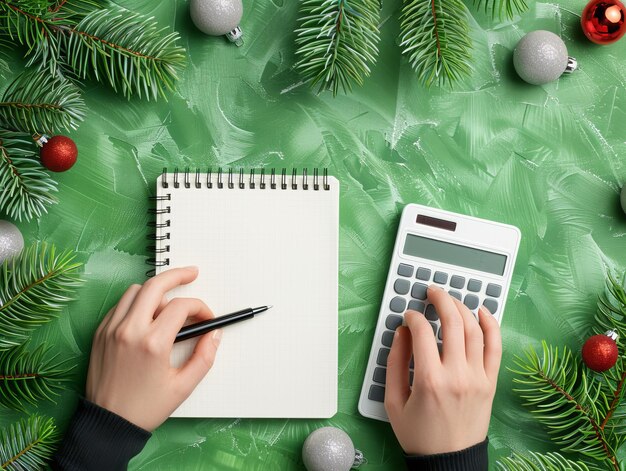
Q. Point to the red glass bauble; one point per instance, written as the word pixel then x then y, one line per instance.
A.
pixel 600 352
pixel 59 154
pixel 603 21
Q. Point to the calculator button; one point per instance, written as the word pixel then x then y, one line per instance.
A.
pixel 423 274
pixel 456 294
pixel 491 304
pixel 457 282
pixel 393 322
pixel 474 285
pixel 440 277
pixel 402 286
pixel 411 378
pixel 434 326
pixel 405 270
pixel 387 338
pixel 383 353
pixel 431 313
pixel 397 304
pixel 440 335
pixel 494 290
pixel 377 393
pixel 412 362
pixel 471 301
pixel 419 290
pixel 415 305
pixel 380 375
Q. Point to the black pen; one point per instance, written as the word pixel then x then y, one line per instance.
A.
pixel 203 327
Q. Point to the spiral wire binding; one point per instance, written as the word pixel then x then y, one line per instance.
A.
pixel 160 225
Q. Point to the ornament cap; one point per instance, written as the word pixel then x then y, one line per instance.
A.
pixel 235 36
pixel 612 335
pixel 41 139
pixel 572 65
pixel 359 459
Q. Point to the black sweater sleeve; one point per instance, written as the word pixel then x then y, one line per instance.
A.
pixel 473 458
pixel 98 439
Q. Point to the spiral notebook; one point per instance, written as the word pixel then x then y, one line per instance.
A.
pixel 259 238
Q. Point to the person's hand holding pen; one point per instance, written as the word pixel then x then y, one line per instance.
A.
pixel 129 370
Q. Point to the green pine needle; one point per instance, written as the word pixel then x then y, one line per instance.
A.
pixel 539 462
pixel 35 102
pixel 337 41
pixel 34 286
pixel 435 37
pixel 502 8
pixel 25 189
pixel 28 444
pixel 27 377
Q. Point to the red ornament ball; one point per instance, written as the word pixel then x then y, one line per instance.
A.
pixel 603 21
pixel 600 352
pixel 59 154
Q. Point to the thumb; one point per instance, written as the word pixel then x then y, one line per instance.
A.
pixel 200 361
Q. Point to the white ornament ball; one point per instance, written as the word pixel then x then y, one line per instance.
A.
pixel 328 449
pixel 623 198
pixel 540 57
pixel 11 241
pixel 216 17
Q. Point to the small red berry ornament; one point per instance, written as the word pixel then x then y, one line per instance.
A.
pixel 58 153
pixel 600 351
pixel 603 21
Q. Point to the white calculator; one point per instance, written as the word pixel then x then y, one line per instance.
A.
pixel 471 258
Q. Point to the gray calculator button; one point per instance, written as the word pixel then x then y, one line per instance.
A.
pixel 471 301
pixel 380 375
pixel 419 290
pixel 405 270
pixel 440 277
pixel 440 335
pixel 393 322
pixel 494 290
pixel 412 363
pixel 383 353
pixel 456 294
pixel 491 304
pixel 388 338
pixel 474 285
pixel 377 393
pixel 431 313
pixel 434 326
pixel 423 274
pixel 415 305
pixel 457 281
pixel 410 378
pixel 402 286
pixel 397 304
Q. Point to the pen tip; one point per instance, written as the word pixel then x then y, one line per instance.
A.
pixel 270 306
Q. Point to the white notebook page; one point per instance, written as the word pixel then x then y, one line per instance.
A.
pixel 257 247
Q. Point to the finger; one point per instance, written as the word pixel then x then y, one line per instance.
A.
pixel 153 290
pixel 200 362
pixel 161 306
pixel 493 343
pixel 424 344
pixel 453 332
pixel 474 343
pixel 174 315
pixel 397 390
pixel 119 311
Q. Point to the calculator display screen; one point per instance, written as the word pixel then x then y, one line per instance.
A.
pixel 454 254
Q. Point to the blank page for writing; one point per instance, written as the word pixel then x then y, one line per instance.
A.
pixel 257 247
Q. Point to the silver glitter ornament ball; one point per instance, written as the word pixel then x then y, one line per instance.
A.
pixel 217 17
pixel 330 449
pixel 11 240
pixel 541 57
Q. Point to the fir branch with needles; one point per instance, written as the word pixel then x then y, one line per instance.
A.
pixel 27 377
pixel 501 8
pixel 34 287
pixel 541 462
pixel 337 42
pixel 28 444
pixel 25 188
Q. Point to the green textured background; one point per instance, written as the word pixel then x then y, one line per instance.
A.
pixel 548 159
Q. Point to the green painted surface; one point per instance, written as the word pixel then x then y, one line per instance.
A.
pixel 548 159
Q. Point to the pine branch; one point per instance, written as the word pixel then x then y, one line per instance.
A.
pixel 569 402
pixel 337 42
pixel 34 286
pixel 25 189
pixel 502 8
pixel 541 462
pixel 37 103
pixel 29 376
pixel 435 37
pixel 27 445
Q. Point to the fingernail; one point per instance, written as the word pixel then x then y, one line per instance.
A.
pixel 192 267
pixel 217 336
pixel 435 287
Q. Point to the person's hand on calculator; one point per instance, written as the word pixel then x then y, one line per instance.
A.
pixel 448 406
